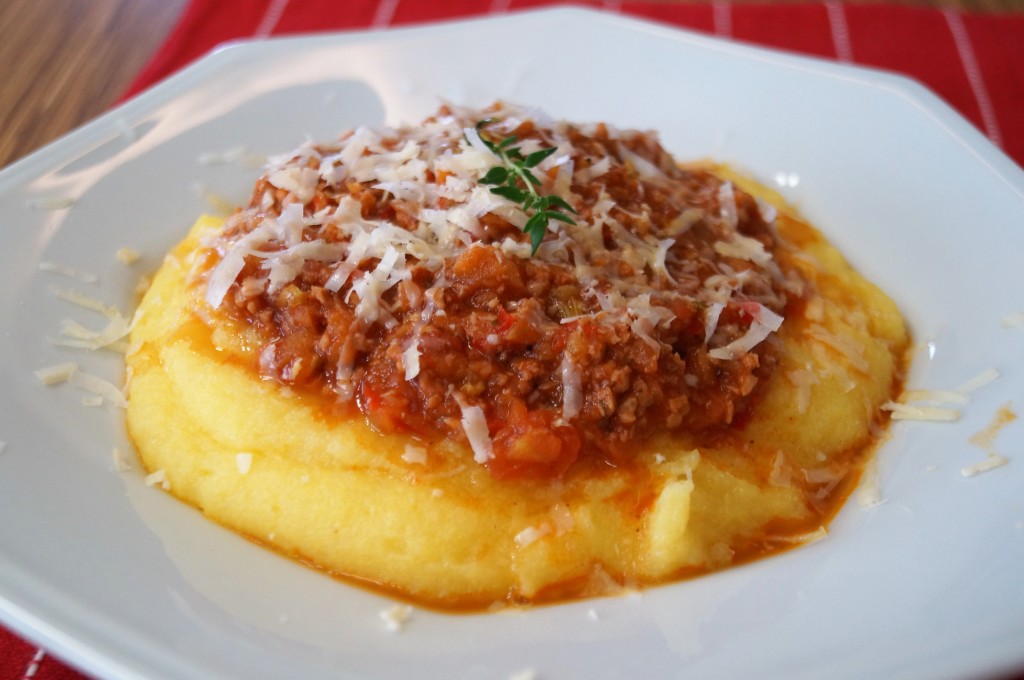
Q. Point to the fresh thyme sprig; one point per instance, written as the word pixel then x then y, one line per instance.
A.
pixel 516 182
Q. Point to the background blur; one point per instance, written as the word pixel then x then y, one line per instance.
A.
pixel 66 61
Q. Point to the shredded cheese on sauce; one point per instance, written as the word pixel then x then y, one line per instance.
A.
pixel 446 219
pixel 378 231
pixel 765 323
pixel 474 423
pixel 411 361
pixel 572 394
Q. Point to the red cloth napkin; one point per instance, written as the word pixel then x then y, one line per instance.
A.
pixel 975 62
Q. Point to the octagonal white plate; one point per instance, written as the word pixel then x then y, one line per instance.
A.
pixel 127 583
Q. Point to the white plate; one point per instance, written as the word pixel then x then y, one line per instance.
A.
pixel 127 583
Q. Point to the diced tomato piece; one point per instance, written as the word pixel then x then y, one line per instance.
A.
pixel 387 411
pixel 531 445
pixel 505 321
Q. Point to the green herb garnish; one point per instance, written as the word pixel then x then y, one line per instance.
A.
pixel 516 182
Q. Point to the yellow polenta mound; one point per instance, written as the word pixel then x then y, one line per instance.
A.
pixel 339 495
pixel 435 520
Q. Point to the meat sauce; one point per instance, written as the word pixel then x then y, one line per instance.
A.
pixel 652 311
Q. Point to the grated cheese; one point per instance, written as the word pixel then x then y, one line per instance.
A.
pixel 845 345
pixel 120 464
pixel 562 518
pixel 869 494
pixel 990 463
pixel 127 255
pixel 819 534
pixel 524 674
pixel 396 617
pixel 79 336
pixel 984 378
pixel 69 272
pixel 158 478
pixel 416 455
pixel 238 155
pixel 378 216
pixel 50 203
pixel 781 474
pixel 475 426
pixel 1014 320
pixel 910 412
pixel 743 248
pixel 98 386
pixel 957 396
pixel 591 173
pixel 572 391
pixel 765 323
pixel 447 220
pixel 531 535
pixel 56 374
pixel 803 380
pixel 711 317
pixel 935 396
pixel 77 298
pixel 411 361
pixel 243 461
pixel 727 203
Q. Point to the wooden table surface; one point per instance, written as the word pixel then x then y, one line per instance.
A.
pixel 66 61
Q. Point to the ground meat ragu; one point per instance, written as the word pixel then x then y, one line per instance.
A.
pixel 378 271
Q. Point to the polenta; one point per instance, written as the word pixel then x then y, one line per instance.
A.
pixel 494 358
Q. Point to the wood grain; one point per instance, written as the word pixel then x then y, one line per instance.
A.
pixel 66 61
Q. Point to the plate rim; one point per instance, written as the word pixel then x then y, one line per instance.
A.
pixel 96 660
